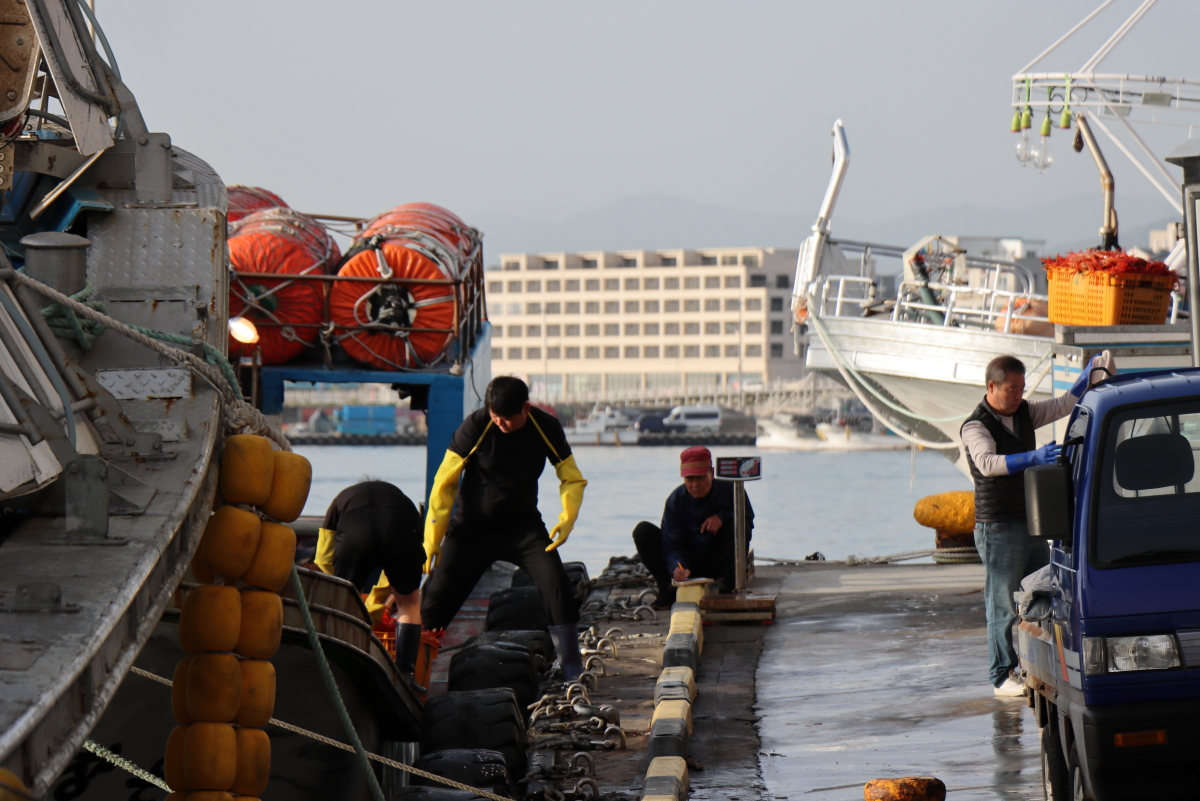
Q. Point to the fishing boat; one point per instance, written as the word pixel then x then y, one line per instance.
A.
pixel 604 426
pixel 789 432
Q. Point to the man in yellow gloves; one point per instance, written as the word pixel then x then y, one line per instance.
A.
pixel 372 525
pixel 491 468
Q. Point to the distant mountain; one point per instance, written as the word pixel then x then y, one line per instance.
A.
pixel 661 221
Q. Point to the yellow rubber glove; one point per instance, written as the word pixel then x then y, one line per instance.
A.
pixel 570 490
pixel 441 501
pixel 377 599
pixel 324 554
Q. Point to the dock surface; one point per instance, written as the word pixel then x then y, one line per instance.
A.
pixel 881 671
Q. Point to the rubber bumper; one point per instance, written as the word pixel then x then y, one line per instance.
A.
pixel 666 780
pixel 684 640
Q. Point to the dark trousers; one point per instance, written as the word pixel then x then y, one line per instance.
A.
pixel 371 538
pixel 467 553
pixel 717 561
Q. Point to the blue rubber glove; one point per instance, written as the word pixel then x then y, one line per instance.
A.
pixel 1081 384
pixel 1020 462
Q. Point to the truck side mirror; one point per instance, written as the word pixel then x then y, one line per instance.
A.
pixel 1048 502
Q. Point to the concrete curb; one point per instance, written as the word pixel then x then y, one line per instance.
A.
pixel 666 780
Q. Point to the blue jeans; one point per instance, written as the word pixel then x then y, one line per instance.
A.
pixel 1009 554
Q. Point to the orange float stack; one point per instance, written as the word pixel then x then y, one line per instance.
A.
pixel 244 200
pixel 224 690
pixel 426 252
pixel 286 312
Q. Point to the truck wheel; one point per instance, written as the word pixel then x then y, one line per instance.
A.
pixel 487 719
pixel 1075 773
pixel 1056 784
pixel 498 664
pixel 516 609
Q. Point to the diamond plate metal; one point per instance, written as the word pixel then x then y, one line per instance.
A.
pixel 146 384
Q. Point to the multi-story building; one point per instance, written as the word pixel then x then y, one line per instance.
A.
pixel 579 324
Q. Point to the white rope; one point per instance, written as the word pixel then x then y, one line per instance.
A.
pixel 343 746
pixel 124 764
pixel 240 416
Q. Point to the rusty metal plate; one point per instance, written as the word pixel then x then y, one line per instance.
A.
pixel 18 61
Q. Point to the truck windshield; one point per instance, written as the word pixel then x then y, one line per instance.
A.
pixel 1148 505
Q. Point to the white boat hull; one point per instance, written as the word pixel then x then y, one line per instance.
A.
pixel 619 436
pixel 828 438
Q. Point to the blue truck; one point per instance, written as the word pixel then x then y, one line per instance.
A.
pixel 365 419
pixel 1111 663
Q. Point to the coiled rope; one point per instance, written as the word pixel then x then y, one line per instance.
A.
pixel 240 416
pixel 948 555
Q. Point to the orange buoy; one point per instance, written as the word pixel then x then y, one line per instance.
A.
pixel 179 692
pixel 209 756
pixel 291 480
pixel 261 624
pixel 908 788
pixel 272 563
pixel 230 541
pixel 173 759
pixel 258 693
pixel 247 465
pixel 287 312
pixel 253 762
pixel 414 241
pixel 214 688
pixel 213 618
pixel 245 200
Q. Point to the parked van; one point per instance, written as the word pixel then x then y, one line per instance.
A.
pixel 695 418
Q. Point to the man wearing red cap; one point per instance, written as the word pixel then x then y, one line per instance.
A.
pixel 696 538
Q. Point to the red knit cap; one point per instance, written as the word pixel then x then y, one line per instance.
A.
pixel 695 461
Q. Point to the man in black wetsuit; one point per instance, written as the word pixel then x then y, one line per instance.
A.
pixel 696 538
pixel 498 453
pixel 369 526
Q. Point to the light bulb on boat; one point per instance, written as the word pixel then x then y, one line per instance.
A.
pixel 243 330
pixel 1023 153
pixel 1041 156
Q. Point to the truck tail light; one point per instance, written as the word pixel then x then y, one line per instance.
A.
pixel 1140 739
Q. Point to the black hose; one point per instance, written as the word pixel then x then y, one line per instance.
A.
pixel 46 115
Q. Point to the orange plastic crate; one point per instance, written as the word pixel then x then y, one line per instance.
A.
pixel 1100 298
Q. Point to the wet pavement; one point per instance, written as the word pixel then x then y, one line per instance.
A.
pixel 881 671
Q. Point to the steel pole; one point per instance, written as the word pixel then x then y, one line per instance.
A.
pixel 1191 198
pixel 739 534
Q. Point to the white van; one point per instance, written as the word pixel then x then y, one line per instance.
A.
pixel 695 418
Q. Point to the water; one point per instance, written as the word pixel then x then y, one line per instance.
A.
pixel 837 503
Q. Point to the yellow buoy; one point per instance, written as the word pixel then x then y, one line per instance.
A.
pixel 253 762
pixel 908 788
pixel 210 756
pixel 173 759
pixel 212 616
pixel 272 563
pixel 214 688
pixel 211 795
pixel 290 482
pixel 200 571
pixel 262 624
pixel 230 540
pixel 258 693
pixel 952 512
pixel 247 465
pixel 179 692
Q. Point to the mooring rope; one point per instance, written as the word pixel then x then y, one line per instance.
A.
pixel 124 764
pixel 391 763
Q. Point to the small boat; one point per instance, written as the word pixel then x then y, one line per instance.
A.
pixel 604 426
pixel 786 432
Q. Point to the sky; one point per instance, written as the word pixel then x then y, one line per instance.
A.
pixel 542 110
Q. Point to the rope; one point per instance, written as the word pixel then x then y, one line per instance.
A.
pixel 65 323
pixel 343 746
pixel 240 416
pixel 125 764
pixel 966 554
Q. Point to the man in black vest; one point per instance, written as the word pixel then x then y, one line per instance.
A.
pixel 1000 444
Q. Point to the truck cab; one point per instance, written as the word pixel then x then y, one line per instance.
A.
pixel 1112 670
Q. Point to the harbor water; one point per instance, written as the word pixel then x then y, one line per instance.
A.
pixel 856 503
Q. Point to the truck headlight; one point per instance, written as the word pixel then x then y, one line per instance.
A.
pixel 1143 652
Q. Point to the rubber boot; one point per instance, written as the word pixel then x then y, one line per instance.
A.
pixel 408 640
pixel 566 645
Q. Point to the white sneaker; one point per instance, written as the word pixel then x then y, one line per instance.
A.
pixel 1011 688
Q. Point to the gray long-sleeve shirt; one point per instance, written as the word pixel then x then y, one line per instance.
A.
pixel 982 447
